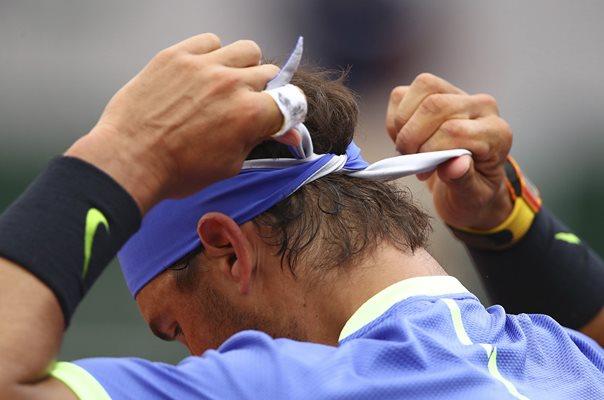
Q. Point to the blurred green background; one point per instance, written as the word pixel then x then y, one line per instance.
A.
pixel 62 60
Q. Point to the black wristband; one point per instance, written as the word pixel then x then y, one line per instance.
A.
pixel 549 271
pixel 67 226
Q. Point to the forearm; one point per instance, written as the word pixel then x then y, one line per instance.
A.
pixel 55 240
pixel 548 271
pixel 32 328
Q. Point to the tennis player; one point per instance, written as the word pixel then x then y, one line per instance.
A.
pixel 305 271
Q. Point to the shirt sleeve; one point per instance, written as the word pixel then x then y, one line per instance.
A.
pixel 84 385
pixel 133 378
pixel 250 365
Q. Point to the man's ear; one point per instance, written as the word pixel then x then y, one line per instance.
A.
pixel 223 238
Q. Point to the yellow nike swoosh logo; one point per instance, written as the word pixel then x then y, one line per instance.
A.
pixel 567 237
pixel 94 218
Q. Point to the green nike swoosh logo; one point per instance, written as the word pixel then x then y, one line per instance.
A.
pixel 567 237
pixel 94 218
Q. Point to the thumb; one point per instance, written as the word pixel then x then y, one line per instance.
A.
pixel 458 172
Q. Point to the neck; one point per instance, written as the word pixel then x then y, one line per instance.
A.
pixel 332 302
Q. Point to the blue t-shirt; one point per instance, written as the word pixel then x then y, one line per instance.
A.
pixel 421 338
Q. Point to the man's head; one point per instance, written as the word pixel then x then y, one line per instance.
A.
pixel 282 272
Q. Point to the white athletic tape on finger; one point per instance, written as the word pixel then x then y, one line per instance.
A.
pixel 292 104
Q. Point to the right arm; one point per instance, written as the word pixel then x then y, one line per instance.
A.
pixel 161 136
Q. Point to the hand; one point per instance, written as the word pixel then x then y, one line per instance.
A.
pixel 188 119
pixel 430 115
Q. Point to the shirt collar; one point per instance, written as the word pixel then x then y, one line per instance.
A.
pixel 382 301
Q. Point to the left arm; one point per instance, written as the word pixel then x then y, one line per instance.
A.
pixel 548 271
pixel 537 273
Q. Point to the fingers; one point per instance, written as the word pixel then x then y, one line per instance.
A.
pixel 488 138
pixel 258 76
pixel 423 86
pixel 199 44
pixel 434 111
pixel 243 54
pixel 240 54
pixel 431 115
pixel 396 96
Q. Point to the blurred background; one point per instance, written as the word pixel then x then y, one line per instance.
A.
pixel 61 61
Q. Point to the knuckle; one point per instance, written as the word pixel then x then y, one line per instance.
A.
pixel 222 76
pixel 391 127
pixel 166 55
pixel 184 62
pixel 426 80
pixel 434 104
pixel 220 80
pixel 505 131
pixel 211 38
pixel 452 127
pixel 404 144
pixel 252 47
pixel 399 121
pixel 397 94
pixel 486 100
pixel 409 130
pixel 400 145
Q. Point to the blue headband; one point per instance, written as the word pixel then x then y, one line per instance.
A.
pixel 169 231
